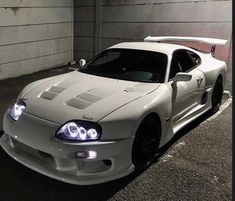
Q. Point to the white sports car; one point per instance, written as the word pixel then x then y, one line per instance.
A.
pixel 110 117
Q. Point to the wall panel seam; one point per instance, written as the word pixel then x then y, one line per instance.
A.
pixel 32 24
pixel 77 36
pixel 83 51
pixel 84 7
pixel 161 3
pixel 9 7
pixel 25 42
pixel 35 57
pixel 84 20
pixel 162 22
pixel 113 38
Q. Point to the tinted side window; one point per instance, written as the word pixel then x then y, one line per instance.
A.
pixel 182 61
pixel 175 67
pixel 194 57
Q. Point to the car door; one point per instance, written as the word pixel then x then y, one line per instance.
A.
pixel 186 96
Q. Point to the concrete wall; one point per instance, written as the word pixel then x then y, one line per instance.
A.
pixel 34 35
pixel 84 29
pixel 133 20
pixel 37 34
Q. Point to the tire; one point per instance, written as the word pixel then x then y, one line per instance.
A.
pixel 146 143
pixel 217 95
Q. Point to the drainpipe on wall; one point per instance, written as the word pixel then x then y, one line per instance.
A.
pixel 230 48
pixel 72 62
pixel 98 16
pixel 229 62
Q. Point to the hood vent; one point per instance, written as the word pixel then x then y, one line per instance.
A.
pixel 89 97
pixel 51 93
pixel 83 100
pixel 56 89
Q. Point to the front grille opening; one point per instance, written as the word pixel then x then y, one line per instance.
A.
pixel 45 155
pixel 96 166
pixel 107 162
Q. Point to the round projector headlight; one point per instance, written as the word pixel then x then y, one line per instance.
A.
pixel 79 131
pixel 17 110
pixel 92 133
pixel 73 129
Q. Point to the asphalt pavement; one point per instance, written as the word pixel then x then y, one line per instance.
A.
pixel 195 165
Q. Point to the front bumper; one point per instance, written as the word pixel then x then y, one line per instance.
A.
pixel 58 160
pixel 72 170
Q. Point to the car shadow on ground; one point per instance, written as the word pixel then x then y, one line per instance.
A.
pixel 31 184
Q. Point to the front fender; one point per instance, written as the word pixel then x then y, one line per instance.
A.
pixel 124 122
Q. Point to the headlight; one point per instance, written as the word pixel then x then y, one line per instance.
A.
pixel 17 110
pixel 79 131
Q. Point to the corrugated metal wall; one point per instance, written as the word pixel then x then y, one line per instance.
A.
pixel 133 20
pixel 34 35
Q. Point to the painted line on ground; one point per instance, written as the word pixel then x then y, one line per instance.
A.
pixel 166 157
pixel 171 153
pixel 179 145
pixel 227 93
pixel 72 68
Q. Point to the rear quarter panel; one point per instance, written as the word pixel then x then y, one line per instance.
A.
pixel 212 68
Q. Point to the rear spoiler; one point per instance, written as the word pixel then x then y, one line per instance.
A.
pixel 210 41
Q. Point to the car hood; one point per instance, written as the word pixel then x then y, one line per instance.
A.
pixel 81 96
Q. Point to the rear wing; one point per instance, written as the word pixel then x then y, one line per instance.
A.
pixel 210 41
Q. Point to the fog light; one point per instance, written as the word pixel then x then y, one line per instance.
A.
pixel 92 154
pixel 82 154
pixel 86 154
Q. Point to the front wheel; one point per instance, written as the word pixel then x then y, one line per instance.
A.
pixel 217 95
pixel 146 143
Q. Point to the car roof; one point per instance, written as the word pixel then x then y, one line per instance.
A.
pixel 149 46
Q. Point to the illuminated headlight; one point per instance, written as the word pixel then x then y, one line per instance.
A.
pixel 79 131
pixel 17 110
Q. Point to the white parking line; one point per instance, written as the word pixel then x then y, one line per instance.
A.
pixel 72 68
pixel 228 93
pixel 180 144
pixel 166 157
pixel 171 153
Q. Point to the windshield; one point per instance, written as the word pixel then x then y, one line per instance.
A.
pixel 129 64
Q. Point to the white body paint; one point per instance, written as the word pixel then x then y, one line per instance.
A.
pixel 122 107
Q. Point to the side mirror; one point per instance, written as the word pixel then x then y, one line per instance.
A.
pixel 82 62
pixel 182 77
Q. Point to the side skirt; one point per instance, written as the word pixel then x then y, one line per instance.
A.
pixel 185 120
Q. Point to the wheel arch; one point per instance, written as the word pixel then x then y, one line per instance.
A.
pixel 136 153
pixel 222 77
pixel 152 115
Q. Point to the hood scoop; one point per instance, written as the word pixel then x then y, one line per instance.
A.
pixel 81 96
pixel 83 100
pixel 51 93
